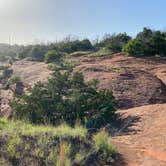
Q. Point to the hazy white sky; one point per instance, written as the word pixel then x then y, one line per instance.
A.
pixel 47 20
pixel 27 20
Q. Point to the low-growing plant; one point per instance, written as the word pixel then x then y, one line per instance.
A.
pixel 14 80
pixel 80 53
pixel 103 144
pixel 12 145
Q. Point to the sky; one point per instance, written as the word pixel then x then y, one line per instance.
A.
pixel 32 21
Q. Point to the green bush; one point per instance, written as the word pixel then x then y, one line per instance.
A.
pixel 52 56
pixel 134 47
pixel 66 98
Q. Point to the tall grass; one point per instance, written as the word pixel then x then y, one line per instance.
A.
pixel 27 129
pixel 54 146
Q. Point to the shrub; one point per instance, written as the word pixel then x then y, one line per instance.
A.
pixel 134 47
pixel 66 98
pixel 52 56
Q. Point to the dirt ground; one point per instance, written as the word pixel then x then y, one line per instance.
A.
pixel 143 141
pixel 31 72
pixel 134 81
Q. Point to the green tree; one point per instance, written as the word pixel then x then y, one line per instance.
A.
pixel 147 43
pixel 114 42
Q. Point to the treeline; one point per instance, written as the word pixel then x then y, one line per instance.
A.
pixel 146 43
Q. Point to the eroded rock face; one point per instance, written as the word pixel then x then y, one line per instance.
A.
pixel 135 88
pixel 134 81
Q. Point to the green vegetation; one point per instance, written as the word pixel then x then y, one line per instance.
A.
pixel 33 52
pixel 24 143
pixel 67 46
pixel 66 98
pixel 101 53
pixel 27 129
pixel 147 43
pixel 14 80
pixel 114 42
pixel 72 45
pixel 102 144
pixel 80 53
pixel 52 56
pixel 43 128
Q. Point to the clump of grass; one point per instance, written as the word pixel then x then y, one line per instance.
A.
pixel 27 129
pixel 66 65
pixel 80 53
pixel 14 80
pixel 101 52
pixel 12 144
pixel 103 145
